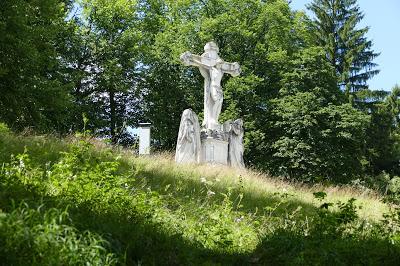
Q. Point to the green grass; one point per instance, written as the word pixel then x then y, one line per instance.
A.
pixel 259 190
pixel 93 203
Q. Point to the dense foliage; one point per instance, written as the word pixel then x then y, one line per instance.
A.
pixel 105 65
pixel 72 203
pixel 33 91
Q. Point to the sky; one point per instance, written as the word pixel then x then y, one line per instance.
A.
pixel 383 19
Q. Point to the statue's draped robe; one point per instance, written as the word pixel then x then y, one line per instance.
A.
pixel 188 148
pixel 236 144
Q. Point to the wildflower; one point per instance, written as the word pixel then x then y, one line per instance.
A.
pixel 21 163
pixel 210 193
pixel 239 219
pixel 203 180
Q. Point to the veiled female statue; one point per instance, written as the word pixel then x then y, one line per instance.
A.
pixel 236 149
pixel 188 147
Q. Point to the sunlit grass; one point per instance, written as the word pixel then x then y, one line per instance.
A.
pixel 149 208
pixel 159 171
pixel 258 187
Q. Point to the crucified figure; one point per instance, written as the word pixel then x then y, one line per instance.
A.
pixel 212 68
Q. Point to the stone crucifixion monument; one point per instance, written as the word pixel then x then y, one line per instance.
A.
pixel 215 138
pixel 212 68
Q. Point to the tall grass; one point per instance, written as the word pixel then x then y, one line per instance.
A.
pixel 103 205
pixel 36 236
pixel 259 188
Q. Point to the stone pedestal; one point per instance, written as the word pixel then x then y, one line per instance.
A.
pixel 144 138
pixel 214 151
pixel 214 146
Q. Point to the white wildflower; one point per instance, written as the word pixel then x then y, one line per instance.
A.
pixel 210 193
pixel 239 219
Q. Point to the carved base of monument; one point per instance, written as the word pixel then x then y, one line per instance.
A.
pixel 223 146
pixel 214 151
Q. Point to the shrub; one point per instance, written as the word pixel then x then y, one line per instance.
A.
pixel 4 128
pixel 318 142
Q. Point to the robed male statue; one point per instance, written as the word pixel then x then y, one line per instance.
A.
pixel 212 68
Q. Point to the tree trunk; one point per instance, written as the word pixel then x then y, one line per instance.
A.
pixel 112 117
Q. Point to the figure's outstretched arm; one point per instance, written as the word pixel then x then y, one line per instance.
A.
pixel 189 59
pixel 231 68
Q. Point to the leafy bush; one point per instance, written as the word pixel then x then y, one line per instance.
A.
pixel 393 190
pixel 334 224
pixel 318 142
pixel 394 185
pixel 4 128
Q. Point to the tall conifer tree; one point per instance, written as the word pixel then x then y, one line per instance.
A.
pixel 346 44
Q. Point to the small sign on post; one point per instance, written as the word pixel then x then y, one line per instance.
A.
pixel 144 138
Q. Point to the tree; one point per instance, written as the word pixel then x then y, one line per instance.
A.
pixel 260 35
pixel 347 48
pixel 33 91
pixel 383 137
pixel 316 135
pixel 103 59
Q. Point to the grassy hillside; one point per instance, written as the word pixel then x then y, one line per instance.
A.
pixel 77 200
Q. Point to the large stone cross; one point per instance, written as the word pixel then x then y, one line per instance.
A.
pixel 212 68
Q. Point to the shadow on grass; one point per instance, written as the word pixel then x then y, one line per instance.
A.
pixel 140 241
pixel 290 248
pixel 147 243
pixel 134 239
pixel 285 247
